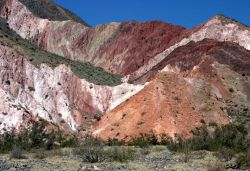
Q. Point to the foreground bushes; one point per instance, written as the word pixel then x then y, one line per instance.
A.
pixel 227 141
pixel 95 150
pixel 36 137
pixel 244 159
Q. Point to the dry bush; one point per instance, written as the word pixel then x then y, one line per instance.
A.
pixel 215 166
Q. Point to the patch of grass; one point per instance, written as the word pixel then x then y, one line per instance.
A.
pixel 38 56
pixel 49 10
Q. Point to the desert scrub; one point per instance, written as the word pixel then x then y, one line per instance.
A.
pixel 93 154
pixel 120 154
pixel 39 154
pixel 225 154
pixel 97 154
pixel 215 166
pixel 17 153
pixel 36 137
pixel 243 160
pixel 145 140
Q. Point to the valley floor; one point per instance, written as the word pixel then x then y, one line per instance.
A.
pixel 155 158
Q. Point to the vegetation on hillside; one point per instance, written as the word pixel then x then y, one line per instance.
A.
pixel 38 56
pixel 48 9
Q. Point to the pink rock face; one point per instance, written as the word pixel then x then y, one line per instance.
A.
pixel 114 46
pixel 55 95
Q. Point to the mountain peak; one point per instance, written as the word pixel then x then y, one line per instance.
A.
pixel 49 10
pixel 227 20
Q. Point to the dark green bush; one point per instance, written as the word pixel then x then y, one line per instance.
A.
pixel 228 136
pixel 93 154
pixel 243 160
pixel 35 138
pixel 115 142
pixel 144 140
pixel 7 141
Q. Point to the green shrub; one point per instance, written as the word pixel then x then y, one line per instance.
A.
pixel 90 141
pixel 7 141
pixel 243 160
pixel 17 153
pixel 93 154
pixel 144 140
pixel 35 138
pixel 120 154
pixel 115 142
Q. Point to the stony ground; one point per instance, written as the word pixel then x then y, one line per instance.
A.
pixel 156 158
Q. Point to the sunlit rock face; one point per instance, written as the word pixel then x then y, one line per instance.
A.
pixel 120 48
pixel 53 94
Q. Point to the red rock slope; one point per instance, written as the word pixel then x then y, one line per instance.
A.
pixel 169 104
